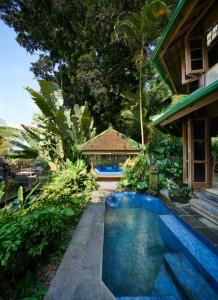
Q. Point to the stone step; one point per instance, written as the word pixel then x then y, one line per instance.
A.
pixel 181 239
pixel 191 281
pixel 210 197
pixel 205 208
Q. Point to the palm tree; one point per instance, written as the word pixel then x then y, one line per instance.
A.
pixel 153 100
pixel 138 31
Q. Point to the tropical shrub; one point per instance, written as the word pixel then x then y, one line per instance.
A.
pixel 178 191
pixel 28 232
pixel 2 186
pixel 136 175
pixel 158 166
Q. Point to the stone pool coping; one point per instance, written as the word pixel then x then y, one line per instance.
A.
pixel 79 275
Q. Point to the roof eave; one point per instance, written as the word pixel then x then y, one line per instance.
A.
pixel 189 100
pixel 156 58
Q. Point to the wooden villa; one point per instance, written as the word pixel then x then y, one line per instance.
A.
pixel 187 59
pixel 107 152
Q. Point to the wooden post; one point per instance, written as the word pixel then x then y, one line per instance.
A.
pixel 190 154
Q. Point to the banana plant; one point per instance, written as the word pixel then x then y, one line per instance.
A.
pixel 61 128
pixel 58 129
pixel 7 133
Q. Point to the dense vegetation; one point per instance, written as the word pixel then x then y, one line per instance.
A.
pixel 158 166
pixel 79 51
pixel 30 229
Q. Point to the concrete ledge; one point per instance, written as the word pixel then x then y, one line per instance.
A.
pixel 79 275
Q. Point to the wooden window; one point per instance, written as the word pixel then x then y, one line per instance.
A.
pixel 195 55
pixel 186 78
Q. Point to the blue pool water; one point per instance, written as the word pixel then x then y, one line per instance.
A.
pixel 148 251
pixel 108 170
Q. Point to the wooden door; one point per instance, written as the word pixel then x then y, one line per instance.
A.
pixel 200 153
pixel 196 153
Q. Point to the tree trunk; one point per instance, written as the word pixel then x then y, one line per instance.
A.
pixel 140 104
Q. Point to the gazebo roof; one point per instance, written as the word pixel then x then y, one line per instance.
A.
pixel 110 141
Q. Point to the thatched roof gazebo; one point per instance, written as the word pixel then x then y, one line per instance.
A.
pixel 108 151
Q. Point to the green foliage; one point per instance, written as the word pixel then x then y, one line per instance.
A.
pixel 69 48
pixel 27 232
pixel 136 175
pixel 155 98
pixel 69 184
pixel 58 129
pixel 22 199
pixel 167 151
pixel 6 134
pixel 40 165
pixel 136 31
pixel 158 166
pixel 2 186
pixel 215 147
pixel 177 191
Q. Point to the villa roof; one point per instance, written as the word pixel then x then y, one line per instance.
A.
pixel 110 141
pixel 167 55
pixel 189 101
pixel 174 19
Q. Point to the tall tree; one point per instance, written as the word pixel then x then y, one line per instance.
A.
pixel 71 38
pixel 137 31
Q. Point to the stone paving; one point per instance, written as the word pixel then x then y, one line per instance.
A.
pixel 203 226
pixel 79 276
pixel 107 185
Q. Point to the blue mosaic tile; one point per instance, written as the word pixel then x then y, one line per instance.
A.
pixel 194 285
pixel 178 236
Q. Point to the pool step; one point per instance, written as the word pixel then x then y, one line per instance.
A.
pixel 148 298
pixel 164 285
pixel 178 236
pixel 210 197
pixel 191 281
pixel 207 208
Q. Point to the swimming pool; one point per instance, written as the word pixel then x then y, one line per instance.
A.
pixel 150 253
pixel 108 170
